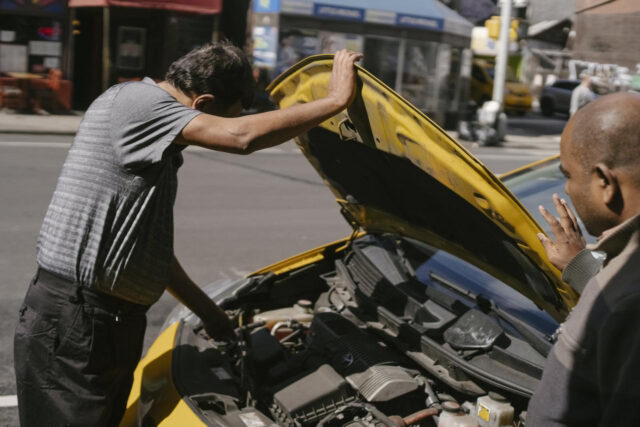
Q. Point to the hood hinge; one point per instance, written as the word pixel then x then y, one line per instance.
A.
pixel 352 222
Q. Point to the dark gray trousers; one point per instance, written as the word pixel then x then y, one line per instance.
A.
pixel 75 351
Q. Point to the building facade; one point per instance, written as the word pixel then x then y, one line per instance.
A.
pixel 606 32
pixel 120 40
pixel 33 36
pixel 421 49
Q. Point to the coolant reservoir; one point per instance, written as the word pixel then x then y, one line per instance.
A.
pixel 300 312
pixel 452 416
pixel 493 410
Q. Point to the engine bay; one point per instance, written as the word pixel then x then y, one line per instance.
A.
pixel 368 336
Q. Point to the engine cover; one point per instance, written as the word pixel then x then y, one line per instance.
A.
pixel 311 397
pixel 383 383
pixel 349 349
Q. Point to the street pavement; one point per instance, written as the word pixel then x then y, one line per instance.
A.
pixel 233 214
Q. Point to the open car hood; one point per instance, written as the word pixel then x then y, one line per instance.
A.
pixel 392 169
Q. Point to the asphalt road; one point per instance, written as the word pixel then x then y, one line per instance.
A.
pixel 233 214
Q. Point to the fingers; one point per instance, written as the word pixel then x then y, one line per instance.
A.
pixel 563 214
pixel 346 57
pixel 342 86
pixel 556 227
pixel 572 216
pixel 546 243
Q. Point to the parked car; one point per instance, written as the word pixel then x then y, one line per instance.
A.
pixel 442 297
pixel 517 97
pixel 556 97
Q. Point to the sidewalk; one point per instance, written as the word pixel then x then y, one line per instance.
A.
pixel 33 123
pixel 544 133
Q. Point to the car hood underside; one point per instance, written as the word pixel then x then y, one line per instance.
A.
pixel 394 170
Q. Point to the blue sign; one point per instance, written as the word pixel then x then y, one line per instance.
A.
pixel 265 45
pixel 338 12
pixel 424 22
pixel 266 6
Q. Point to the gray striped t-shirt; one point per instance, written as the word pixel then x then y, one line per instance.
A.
pixel 109 225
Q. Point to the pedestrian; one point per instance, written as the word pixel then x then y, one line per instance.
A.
pixel 105 250
pixel 592 374
pixel 582 94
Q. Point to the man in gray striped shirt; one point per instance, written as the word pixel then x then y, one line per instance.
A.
pixel 105 251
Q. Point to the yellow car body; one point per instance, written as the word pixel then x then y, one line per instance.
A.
pixel 517 96
pixel 381 120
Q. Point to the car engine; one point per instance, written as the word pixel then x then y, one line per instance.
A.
pixel 347 342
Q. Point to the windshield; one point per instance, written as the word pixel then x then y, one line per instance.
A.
pixel 460 279
pixel 534 187
pixel 510 77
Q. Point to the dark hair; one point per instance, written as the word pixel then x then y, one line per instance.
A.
pixel 220 69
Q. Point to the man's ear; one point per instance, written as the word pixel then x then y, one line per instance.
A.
pixel 607 183
pixel 202 101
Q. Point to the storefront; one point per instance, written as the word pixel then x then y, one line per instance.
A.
pixel 120 40
pixel 33 36
pixel 34 56
pixel 419 48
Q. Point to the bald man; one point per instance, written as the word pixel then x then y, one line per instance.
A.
pixel 592 374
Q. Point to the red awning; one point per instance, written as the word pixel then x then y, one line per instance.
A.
pixel 209 7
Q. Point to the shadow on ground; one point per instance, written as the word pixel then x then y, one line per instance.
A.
pixel 534 124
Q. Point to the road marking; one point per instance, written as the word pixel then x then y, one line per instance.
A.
pixel 45 144
pixel 502 152
pixel 36 144
pixel 523 156
pixel 8 401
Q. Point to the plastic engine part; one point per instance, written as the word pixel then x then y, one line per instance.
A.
pixel 311 397
pixel 383 383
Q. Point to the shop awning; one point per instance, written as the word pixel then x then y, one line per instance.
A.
pixel 423 14
pixel 205 7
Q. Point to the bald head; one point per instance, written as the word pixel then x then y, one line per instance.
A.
pixel 607 130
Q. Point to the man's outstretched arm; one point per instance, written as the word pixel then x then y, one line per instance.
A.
pixel 244 135
pixel 215 321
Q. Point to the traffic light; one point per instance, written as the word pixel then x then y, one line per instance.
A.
pixel 493 25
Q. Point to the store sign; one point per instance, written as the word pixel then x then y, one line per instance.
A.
pixel 265 45
pixel 420 22
pixel 337 12
pixel 266 6
pixel 50 33
pixel 37 6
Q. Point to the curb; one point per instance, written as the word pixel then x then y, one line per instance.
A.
pixel 38 131
pixel 34 124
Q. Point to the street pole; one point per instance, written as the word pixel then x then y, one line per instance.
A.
pixel 492 120
pixel 503 53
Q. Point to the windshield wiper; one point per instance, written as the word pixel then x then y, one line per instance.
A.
pixel 539 341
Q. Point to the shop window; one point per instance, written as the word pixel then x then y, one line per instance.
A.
pixel 329 42
pixel 295 45
pixel 131 44
pixel 13 57
pixel 419 77
pixel 30 43
pixel 381 59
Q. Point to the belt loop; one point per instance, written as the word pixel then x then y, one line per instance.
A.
pixel 77 298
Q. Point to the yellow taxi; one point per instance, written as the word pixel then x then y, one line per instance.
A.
pixel 440 303
pixel 517 96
